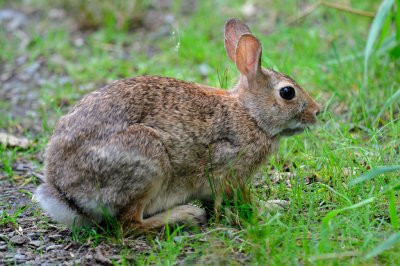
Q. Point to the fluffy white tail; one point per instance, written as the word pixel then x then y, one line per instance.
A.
pixel 56 206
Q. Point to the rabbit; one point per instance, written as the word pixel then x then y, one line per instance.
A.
pixel 140 149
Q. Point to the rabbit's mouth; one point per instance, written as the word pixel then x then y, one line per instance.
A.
pixel 291 131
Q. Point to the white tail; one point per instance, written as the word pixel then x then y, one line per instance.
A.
pixel 54 204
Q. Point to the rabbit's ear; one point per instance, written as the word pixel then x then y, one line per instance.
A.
pixel 234 28
pixel 248 56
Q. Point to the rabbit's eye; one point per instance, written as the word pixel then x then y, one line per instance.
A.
pixel 287 93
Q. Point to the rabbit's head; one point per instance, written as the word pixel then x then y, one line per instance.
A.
pixel 277 102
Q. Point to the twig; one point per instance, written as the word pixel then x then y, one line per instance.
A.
pixel 348 9
pixel 337 6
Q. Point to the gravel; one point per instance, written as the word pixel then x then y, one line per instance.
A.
pixel 36 241
pixel 18 240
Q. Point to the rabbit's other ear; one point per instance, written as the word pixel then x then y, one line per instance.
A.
pixel 248 56
pixel 234 28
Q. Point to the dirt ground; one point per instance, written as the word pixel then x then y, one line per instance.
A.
pixel 30 238
pixel 36 243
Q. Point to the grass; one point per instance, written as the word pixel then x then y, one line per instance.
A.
pixel 328 222
pixel 10 219
pixel 7 160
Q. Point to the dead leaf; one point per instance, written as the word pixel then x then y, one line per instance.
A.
pixel 17 178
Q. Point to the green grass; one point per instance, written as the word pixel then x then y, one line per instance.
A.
pixel 327 222
pixel 10 218
pixel 7 160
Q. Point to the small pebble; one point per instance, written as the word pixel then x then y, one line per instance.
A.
pixel 52 247
pixel 35 243
pixel 204 69
pixel 115 257
pixel 33 235
pixel 19 257
pixel 55 237
pixel 3 247
pixel 78 42
pixel 178 239
pixel 18 240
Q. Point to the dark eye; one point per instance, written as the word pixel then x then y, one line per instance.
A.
pixel 287 93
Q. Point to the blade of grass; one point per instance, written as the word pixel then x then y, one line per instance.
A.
pixel 332 214
pixel 398 22
pixel 223 79
pixel 375 172
pixel 387 244
pixel 392 99
pixel 385 30
pixel 387 44
pixel 324 243
pixel 337 193
pixel 392 210
pixel 376 27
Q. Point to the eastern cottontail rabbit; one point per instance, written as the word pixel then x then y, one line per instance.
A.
pixel 142 148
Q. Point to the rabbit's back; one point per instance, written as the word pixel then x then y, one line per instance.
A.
pixel 181 131
pixel 196 124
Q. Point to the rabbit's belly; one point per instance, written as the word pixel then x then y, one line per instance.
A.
pixel 180 191
pixel 163 201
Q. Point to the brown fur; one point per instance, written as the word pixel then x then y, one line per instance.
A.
pixel 141 147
